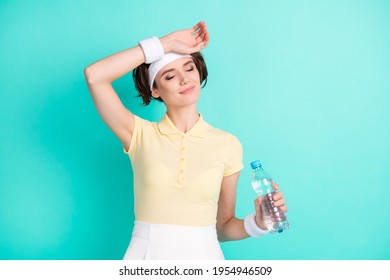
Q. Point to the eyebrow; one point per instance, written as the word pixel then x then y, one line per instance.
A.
pixel 171 69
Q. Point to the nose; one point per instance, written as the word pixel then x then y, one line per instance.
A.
pixel 184 80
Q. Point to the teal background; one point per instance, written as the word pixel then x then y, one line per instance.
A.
pixel 303 84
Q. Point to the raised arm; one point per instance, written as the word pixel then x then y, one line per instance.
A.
pixel 99 77
pixel 101 74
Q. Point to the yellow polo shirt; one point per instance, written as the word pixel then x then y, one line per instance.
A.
pixel 177 176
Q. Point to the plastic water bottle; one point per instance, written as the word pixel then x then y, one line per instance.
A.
pixel 274 218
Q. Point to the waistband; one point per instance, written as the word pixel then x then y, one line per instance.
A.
pixel 143 229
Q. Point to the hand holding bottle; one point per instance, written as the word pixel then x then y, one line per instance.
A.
pixel 278 201
pixel 270 209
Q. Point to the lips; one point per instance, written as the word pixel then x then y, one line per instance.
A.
pixel 187 90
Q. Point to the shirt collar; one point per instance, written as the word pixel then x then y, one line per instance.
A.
pixel 168 128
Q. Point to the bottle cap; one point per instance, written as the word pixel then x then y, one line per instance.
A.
pixel 256 164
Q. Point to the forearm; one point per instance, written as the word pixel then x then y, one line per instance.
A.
pixel 232 230
pixel 114 66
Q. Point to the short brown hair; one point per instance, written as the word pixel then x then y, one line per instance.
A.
pixel 141 78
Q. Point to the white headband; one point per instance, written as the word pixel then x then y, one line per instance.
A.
pixel 159 64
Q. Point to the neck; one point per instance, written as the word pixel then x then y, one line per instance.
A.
pixel 183 118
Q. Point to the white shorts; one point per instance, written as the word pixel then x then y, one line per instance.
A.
pixel 172 242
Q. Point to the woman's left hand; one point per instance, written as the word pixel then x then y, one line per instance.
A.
pixel 278 201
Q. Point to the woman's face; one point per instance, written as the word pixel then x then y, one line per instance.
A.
pixel 178 83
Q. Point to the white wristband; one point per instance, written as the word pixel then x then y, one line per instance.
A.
pixel 152 48
pixel 251 227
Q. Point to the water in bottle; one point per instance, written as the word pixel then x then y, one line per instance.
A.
pixel 273 217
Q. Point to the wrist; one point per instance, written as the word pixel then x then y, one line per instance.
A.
pixel 252 228
pixel 152 48
pixel 165 44
pixel 261 225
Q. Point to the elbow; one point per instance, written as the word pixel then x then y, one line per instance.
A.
pixel 227 228
pixel 221 236
pixel 93 76
pixel 88 74
pixel 221 239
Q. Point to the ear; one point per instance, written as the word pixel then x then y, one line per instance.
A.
pixel 155 93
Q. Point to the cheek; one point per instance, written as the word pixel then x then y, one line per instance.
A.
pixel 166 89
pixel 164 86
pixel 195 76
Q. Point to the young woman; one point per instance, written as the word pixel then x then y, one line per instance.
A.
pixel 185 170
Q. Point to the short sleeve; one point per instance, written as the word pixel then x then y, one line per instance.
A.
pixel 139 123
pixel 234 160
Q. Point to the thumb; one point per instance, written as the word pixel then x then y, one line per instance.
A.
pixel 258 202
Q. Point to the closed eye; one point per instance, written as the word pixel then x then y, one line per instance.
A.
pixel 170 77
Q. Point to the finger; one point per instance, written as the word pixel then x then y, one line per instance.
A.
pixel 280 202
pixel 275 186
pixel 203 38
pixel 200 34
pixel 207 39
pixel 205 35
pixel 198 39
pixel 258 202
pixel 196 27
pixel 284 208
pixel 278 195
pixel 205 30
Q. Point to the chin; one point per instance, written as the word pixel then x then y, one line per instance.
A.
pixel 189 100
